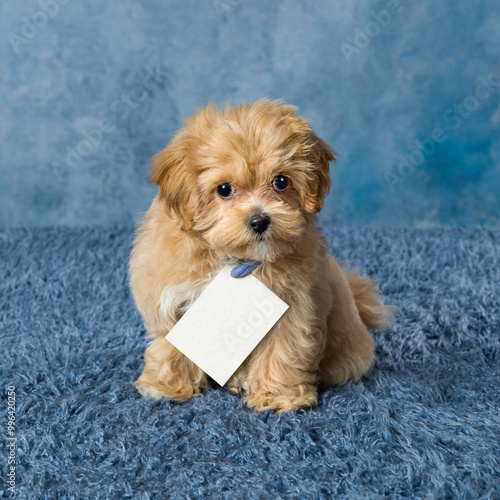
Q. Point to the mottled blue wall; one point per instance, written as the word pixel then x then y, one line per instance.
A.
pixel 407 92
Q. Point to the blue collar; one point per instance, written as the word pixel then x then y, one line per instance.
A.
pixel 245 267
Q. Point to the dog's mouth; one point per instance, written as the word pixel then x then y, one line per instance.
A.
pixel 262 237
pixel 264 247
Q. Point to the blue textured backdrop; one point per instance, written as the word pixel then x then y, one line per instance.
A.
pixel 408 93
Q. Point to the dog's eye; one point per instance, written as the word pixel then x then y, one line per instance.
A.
pixel 225 190
pixel 280 183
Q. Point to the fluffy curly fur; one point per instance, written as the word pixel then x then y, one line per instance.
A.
pixel 190 232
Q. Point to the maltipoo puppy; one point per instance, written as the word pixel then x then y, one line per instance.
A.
pixel 246 183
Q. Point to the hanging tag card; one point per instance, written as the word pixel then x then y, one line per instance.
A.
pixel 226 323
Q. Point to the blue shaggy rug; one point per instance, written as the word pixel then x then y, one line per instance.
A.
pixel 424 423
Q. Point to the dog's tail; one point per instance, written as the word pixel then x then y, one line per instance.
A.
pixel 373 312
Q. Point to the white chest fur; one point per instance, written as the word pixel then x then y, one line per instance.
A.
pixel 176 299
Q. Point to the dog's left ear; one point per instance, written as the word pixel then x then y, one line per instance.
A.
pixel 177 184
pixel 319 157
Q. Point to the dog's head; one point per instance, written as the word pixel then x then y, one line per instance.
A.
pixel 245 179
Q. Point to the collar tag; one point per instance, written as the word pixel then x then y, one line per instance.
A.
pixel 226 323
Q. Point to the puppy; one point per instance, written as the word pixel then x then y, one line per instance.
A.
pixel 247 183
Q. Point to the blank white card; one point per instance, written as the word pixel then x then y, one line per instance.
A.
pixel 226 323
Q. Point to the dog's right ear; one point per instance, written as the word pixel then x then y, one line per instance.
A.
pixel 320 156
pixel 178 189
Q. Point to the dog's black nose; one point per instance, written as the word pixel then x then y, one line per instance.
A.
pixel 259 223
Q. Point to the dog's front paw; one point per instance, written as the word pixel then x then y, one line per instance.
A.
pixel 158 389
pixel 147 390
pixel 169 374
pixel 287 399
